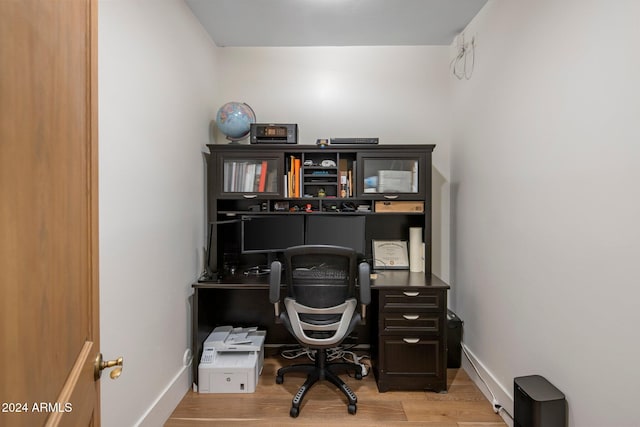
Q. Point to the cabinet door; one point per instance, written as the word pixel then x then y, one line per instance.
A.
pixel 386 176
pixel 251 175
pixel 416 356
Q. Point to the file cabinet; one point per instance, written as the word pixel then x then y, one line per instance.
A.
pixel 411 352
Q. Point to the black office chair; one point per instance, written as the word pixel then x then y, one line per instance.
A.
pixel 320 310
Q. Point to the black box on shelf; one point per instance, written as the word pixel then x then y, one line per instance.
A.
pixel 454 340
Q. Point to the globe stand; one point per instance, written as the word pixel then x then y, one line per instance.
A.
pixel 236 141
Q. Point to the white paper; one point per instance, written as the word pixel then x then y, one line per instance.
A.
pixel 415 249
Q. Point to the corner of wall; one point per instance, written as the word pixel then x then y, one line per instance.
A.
pixel 160 410
pixel 487 383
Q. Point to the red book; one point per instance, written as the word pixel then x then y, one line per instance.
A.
pixel 263 176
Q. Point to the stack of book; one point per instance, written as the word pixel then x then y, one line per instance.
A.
pixel 248 176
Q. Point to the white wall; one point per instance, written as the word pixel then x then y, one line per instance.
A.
pixel 544 162
pixel 157 93
pixel 399 94
pixel 161 80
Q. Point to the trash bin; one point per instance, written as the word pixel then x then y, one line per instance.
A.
pixel 454 340
pixel 538 403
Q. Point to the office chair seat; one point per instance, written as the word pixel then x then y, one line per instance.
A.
pixel 320 311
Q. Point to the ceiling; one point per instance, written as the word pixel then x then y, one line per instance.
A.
pixel 334 22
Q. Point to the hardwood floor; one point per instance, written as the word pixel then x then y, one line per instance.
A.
pixel 464 404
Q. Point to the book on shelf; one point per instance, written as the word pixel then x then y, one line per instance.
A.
pixel 226 176
pixel 344 191
pixel 272 180
pixel 263 176
pixel 354 175
pixel 285 184
pixel 249 177
pixel 293 177
pixel 346 177
pixel 298 178
pixel 246 176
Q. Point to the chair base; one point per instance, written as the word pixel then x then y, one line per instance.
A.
pixel 321 370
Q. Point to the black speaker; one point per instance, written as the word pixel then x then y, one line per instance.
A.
pixel 538 403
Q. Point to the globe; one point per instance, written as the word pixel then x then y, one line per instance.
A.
pixel 234 120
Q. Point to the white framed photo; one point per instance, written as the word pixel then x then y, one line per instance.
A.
pixel 390 254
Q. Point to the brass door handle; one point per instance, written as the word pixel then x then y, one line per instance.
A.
pixel 101 364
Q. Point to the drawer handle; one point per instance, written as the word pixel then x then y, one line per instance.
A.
pixel 411 294
pixel 411 340
pixel 410 316
pixel 249 196
pixel 388 196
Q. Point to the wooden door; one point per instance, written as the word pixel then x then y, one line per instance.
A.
pixel 49 335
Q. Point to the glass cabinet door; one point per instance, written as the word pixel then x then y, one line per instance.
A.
pixel 252 175
pixel 391 176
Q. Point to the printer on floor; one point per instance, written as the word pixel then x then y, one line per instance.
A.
pixel 232 360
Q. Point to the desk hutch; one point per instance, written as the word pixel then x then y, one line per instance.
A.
pixel 388 185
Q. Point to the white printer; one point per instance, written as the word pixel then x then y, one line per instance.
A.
pixel 232 360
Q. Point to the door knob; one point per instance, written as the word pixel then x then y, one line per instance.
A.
pixel 101 364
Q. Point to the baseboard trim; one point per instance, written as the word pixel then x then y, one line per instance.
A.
pixel 500 392
pixel 161 409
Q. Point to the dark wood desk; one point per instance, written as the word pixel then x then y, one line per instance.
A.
pixel 406 326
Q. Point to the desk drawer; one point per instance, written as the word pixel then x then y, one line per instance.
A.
pixel 411 363
pixel 409 321
pixel 404 299
pixel 411 355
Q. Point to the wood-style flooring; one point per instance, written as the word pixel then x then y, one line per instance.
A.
pixel 324 405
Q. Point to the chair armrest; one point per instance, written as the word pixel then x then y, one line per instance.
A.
pixel 364 283
pixel 275 277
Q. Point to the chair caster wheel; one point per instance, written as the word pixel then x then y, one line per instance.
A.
pixel 294 412
pixel 352 409
pixel 279 379
pixel 358 376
